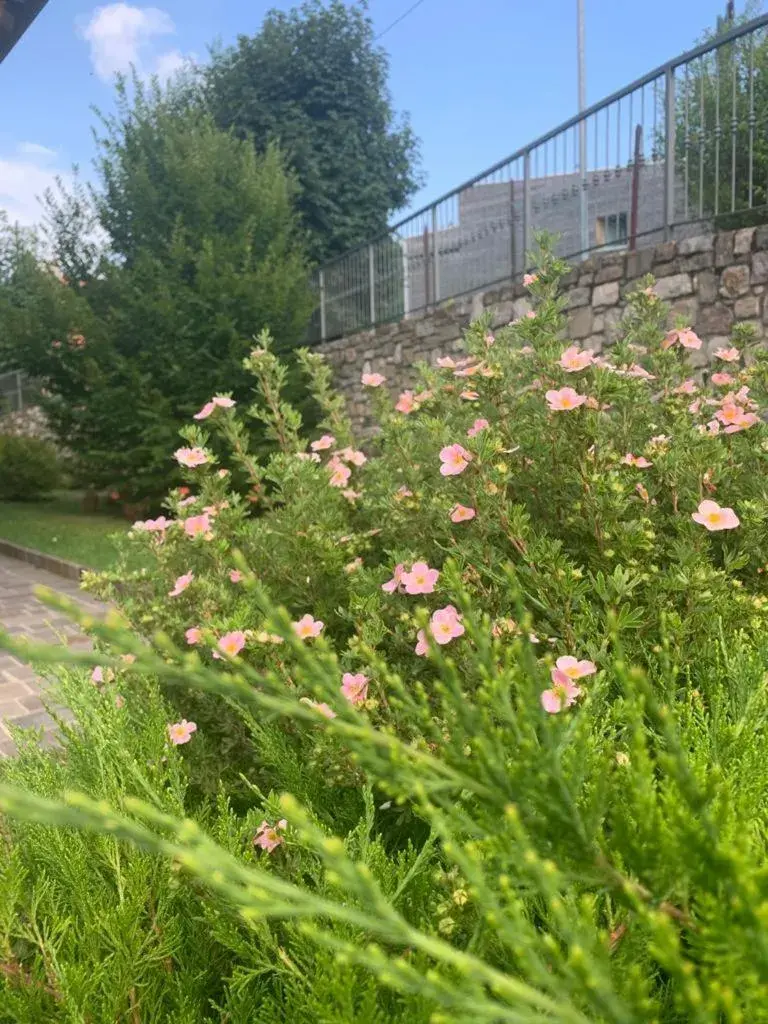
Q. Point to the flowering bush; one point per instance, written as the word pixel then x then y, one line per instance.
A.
pixel 506 666
pixel 29 467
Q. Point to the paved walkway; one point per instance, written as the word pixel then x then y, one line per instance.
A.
pixel 21 614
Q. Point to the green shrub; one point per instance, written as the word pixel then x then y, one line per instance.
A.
pixel 469 831
pixel 29 468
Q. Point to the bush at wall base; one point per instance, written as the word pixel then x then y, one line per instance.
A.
pixel 467 727
pixel 29 468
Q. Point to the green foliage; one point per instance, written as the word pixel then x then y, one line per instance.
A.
pixel 203 253
pixel 313 80
pixel 29 468
pixel 450 850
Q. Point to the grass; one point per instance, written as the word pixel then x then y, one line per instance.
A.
pixel 58 526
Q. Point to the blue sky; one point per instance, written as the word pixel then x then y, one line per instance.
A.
pixel 478 77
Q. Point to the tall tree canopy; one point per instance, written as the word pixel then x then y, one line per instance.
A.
pixel 313 80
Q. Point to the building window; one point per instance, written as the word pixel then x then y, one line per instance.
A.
pixel 611 229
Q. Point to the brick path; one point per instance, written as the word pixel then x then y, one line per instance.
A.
pixel 21 614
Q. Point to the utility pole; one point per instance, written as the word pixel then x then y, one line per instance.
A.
pixel 582 129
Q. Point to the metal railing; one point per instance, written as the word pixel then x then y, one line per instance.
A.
pixel 686 143
pixel 16 392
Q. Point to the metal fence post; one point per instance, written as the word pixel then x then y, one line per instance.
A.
pixel 372 283
pixel 406 277
pixel 19 391
pixel 435 258
pixel 526 206
pixel 670 128
pixel 323 331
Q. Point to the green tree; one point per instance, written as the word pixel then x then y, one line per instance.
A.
pixel 313 80
pixel 201 252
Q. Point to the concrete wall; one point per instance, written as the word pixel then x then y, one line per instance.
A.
pixel 711 279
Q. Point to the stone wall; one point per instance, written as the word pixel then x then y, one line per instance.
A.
pixel 711 279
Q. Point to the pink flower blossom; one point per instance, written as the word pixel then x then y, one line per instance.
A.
pixel 573 360
pixel 198 526
pixel 322 708
pixel 97 676
pixel 529 279
pixel 402 492
pixel 218 401
pixel 490 339
pixel 420 580
pixel 744 422
pixel 445 625
pixel 728 355
pixel 181 732
pixel 446 362
pixel 712 517
pixel 686 337
pixel 636 370
pixel 396 582
pixel 527 350
pixel 235 576
pixel 181 584
pixel 340 473
pixel 531 314
pixel 422 646
pixel 232 643
pixel 351 455
pixel 477 427
pixel 351 495
pixel 455 459
pixel 642 491
pixel 732 415
pixel 695 407
pixel 406 403
pixel 353 566
pixel 372 380
pixel 188 501
pixel 193 635
pixel 308 627
pixel 462 513
pixel 564 400
pixel 159 525
pixel 688 387
pixel 469 396
pixel 638 461
pixel 423 396
pixel 326 441
pixel 572 668
pixel 268 836
pixel 354 687
pixel 722 378
pixel 205 412
pixel 190 457
pixel 563 693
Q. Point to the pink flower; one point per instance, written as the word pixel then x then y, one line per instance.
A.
pixel 97 676
pixel 527 350
pixel 423 396
pixel 572 668
pixel 188 501
pixel 420 580
pixel 531 314
pixel 268 836
pixel 461 513
pixel 477 427
pixel 322 709
pixel 205 412
pixel 222 474
pixel 353 566
pixel 181 584
pixel 422 645
pixel 469 396
pixel 642 491
pixel 340 473
pixel 181 732
pixel 446 362
pixel 686 337
pixel 351 495
pixel 223 401
pixel 455 459
pixel 235 575
pixel 489 339
pixel 406 403
pixel 573 359
pixel 744 422
pixel 694 407
pixel 198 526
pixel 402 492
pixel 636 370
pixel 190 457
pixel 326 441
pixel 728 355
pixel 562 695
pixel 159 525
pixel 712 517
pixel 193 635
pixel 445 625
pixel 688 387
pixel 638 461
pixel 722 378
pixel 232 643
pixel 354 687
pixel 468 371
pixel 351 455
pixel 372 380
pixel 529 279
pixel 730 413
pixel 308 627
pixel 396 582
pixel 564 400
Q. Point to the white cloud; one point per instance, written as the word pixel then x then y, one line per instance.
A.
pixel 24 179
pixel 122 36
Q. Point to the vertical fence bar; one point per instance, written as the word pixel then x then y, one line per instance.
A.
pixel 669 155
pixel 751 119
pixel 512 253
pixel 19 391
pixel 323 330
pixel 435 257
pixel 406 277
pixel 372 283
pixel 526 205
pixel 734 125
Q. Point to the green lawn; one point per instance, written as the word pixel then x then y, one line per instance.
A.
pixel 58 526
